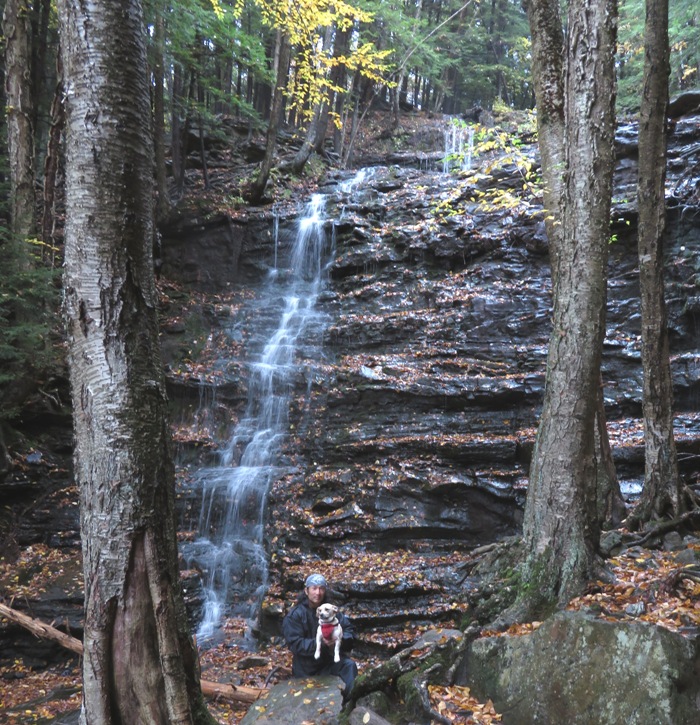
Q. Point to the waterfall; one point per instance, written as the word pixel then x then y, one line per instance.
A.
pixel 229 550
pixel 275 233
pixel 459 147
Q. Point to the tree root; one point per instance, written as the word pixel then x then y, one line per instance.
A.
pixel 642 514
pixel 411 671
pixel 271 674
pixel 675 578
pixel 663 527
pixel 692 497
pixel 420 685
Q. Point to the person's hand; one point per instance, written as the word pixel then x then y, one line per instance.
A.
pixel 328 641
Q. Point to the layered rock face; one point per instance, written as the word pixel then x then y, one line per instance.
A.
pixel 412 436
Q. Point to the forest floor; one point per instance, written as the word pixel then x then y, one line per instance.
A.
pixel 648 585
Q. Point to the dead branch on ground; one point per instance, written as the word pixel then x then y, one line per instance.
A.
pixel 236 693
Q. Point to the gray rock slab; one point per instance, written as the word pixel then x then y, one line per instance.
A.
pixel 363 716
pixel 579 670
pixel 312 700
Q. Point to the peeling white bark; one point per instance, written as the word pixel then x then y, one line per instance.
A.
pixel 139 661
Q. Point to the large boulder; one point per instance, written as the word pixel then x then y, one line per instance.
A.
pixel 578 670
pixel 317 700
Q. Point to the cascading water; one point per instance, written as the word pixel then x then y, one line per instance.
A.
pixel 229 549
pixel 459 147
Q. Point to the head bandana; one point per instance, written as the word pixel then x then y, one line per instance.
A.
pixel 315 580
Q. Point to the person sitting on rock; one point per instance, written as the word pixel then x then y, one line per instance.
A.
pixel 299 628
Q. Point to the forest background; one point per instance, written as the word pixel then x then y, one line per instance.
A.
pixel 209 60
pixel 215 60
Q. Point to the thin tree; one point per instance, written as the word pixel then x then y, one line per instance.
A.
pixel 140 663
pixel 16 28
pixel 661 495
pixel 560 528
pixel 52 163
pixel 162 196
pixel 282 57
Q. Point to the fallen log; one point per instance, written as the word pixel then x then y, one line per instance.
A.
pixel 217 690
pixel 44 631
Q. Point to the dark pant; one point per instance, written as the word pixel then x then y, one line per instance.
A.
pixel 346 669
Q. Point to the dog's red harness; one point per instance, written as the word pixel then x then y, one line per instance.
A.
pixel 327 629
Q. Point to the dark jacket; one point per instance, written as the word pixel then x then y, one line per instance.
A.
pixel 299 629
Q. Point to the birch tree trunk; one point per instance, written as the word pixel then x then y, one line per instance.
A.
pixel 140 664
pixel 560 527
pixel 661 494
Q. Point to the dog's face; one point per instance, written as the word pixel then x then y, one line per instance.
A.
pixel 326 612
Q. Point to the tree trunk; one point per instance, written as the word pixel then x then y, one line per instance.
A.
pixel 20 111
pixel 140 663
pixel 51 167
pixel 548 55
pixel 263 90
pixel 364 93
pixel 610 506
pixel 339 77
pixel 302 155
pixel 162 196
pixel 200 123
pixel 661 495
pixel 282 56
pixel 316 131
pixel 41 18
pixel 548 79
pixel 177 153
pixel 560 527
pixel 399 92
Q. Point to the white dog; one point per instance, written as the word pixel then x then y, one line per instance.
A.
pixel 328 628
